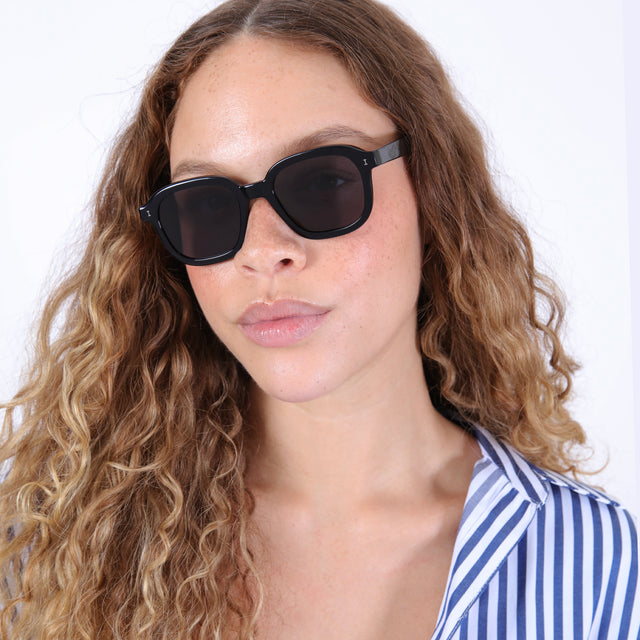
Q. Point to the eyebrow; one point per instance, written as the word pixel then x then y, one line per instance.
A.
pixel 311 141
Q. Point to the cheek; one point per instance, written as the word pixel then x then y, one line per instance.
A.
pixel 197 278
pixel 208 284
pixel 396 232
pixel 379 280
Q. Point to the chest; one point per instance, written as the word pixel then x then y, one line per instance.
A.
pixel 377 586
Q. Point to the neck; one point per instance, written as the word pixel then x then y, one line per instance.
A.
pixel 355 448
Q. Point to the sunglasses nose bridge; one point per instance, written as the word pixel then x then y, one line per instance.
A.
pixel 257 190
pixel 262 189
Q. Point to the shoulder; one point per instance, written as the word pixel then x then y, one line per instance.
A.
pixel 581 517
pixel 581 536
pixel 596 539
pixel 595 521
pixel 547 489
pixel 588 511
pixel 592 516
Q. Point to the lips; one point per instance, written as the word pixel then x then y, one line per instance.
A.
pixel 281 324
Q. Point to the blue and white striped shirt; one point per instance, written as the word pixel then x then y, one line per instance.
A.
pixel 539 556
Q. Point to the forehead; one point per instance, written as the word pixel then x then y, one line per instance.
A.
pixel 256 92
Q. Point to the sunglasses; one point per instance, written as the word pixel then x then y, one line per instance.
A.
pixel 320 193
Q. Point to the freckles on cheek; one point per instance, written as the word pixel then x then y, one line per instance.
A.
pixel 358 265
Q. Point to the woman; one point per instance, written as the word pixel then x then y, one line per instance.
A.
pixel 305 376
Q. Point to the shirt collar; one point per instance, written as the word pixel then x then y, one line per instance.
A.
pixel 526 478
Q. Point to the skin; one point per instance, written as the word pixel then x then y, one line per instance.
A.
pixel 349 461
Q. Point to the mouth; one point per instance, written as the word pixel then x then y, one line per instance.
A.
pixel 281 324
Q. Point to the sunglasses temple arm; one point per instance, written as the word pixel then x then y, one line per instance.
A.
pixel 391 151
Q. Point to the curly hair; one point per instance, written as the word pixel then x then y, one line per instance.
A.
pixel 125 509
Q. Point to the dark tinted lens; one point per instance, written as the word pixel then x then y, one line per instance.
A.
pixel 201 221
pixel 321 194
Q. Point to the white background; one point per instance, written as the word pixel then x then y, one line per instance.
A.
pixel 546 81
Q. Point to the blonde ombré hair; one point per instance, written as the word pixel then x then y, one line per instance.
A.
pixel 125 512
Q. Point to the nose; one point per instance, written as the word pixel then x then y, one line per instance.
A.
pixel 270 245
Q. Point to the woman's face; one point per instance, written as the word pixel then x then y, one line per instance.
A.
pixel 306 318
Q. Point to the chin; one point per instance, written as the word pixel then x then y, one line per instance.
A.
pixel 293 386
pixel 292 393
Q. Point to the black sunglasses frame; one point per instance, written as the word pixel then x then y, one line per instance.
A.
pixel 364 161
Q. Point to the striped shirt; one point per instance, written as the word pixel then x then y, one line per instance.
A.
pixel 539 556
